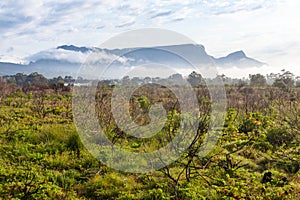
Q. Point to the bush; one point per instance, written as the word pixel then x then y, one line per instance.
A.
pixel 279 136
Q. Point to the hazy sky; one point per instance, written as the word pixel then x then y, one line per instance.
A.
pixel 266 30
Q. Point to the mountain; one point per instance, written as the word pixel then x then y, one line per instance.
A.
pixel 74 48
pixel 66 59
pixel 238 59
pixel 12 68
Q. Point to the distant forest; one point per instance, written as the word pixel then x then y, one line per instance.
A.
pixel 284 80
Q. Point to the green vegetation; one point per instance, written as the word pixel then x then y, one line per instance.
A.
pixel 257 155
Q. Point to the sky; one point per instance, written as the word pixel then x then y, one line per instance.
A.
pixel 267 30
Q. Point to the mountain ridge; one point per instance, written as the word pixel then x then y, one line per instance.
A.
pixel 66 59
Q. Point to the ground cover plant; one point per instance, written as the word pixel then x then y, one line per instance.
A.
pixel 257 155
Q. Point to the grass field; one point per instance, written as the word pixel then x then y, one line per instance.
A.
pixel 42 156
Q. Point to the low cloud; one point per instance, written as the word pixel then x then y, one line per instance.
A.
pixel 77 57
pixel 59 54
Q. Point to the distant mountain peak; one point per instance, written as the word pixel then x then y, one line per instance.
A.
pixel 74 48
pixel 238 59
pixel 237 55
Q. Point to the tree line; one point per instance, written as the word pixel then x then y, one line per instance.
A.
pixel 283 80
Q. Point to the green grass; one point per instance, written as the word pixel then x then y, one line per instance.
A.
pixel 42 157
